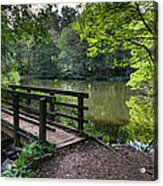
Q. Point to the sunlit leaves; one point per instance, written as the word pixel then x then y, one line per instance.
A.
pixel 113 26
pixel 143 77
pixel 106 26
pixel 21 22
pixel 142 125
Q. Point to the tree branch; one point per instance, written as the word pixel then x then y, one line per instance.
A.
pixel 141 17
pixel 144 46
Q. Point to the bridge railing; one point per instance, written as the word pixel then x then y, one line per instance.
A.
pixel 11 104
pixel 26 95
pixel 79 105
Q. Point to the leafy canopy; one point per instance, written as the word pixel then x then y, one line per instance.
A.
pixel 19 23
pixel 107 26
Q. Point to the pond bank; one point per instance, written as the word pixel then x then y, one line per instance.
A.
pixel 92 160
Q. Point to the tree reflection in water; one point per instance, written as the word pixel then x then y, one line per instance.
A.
pixel 115 113
pixel 142 122
pixel 142 127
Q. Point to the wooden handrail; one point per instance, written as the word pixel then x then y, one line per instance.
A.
pixel 51 90
pixel 36 111
pixel 27 95
pixel 49 97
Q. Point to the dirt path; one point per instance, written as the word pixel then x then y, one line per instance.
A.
pixel 91 160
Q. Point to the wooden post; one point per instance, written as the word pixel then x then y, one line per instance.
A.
pixel 28 99
pixel 42 113
pixel 16 119
pixel 52 106
pixel 80 114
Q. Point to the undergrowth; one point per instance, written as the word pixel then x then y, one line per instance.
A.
pixel 29 160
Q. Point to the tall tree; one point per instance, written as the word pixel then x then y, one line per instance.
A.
pixel 43 61
pixel 73 53
pixel 63 18
pixel 133 25
pixel 21 23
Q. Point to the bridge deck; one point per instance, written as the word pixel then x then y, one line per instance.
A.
pixel 60 137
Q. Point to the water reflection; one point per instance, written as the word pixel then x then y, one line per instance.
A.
pixel 143 125
pixel 106 100
pixel 119 116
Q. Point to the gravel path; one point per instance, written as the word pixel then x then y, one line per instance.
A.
pixel 91 160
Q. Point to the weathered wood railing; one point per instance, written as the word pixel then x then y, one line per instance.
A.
pixel 15 105
pixel 21 94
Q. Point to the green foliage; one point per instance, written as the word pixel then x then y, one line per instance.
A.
pixel 142 125
pixel 91 130
pixel 27 161
pixel 48 46
pixel 9 67
pixel 143 78
pixel 63 19
pixel 74 63
pixel 72 54
pixel 107 26
pixel 111 26
pixel 43 61
pixel 11 77
pixel 21 23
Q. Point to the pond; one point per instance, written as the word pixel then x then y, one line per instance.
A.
pixel 107 109
pixel 107 100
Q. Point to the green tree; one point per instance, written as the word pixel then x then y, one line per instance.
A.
pixel 43 62
pixel 107 26
pixel 63 18
pixel 21 23
pixel 74 62
pixel 73 52
pixel 133 26
pixel 142 126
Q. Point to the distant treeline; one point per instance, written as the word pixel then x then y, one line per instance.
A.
pixel 64 56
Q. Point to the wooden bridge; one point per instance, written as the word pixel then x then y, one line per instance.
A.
pixel 29 112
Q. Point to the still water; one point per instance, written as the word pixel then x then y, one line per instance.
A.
pixel 109 112
pixel 107 100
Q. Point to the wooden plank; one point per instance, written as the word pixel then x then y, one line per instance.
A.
pixel 7 111
pixel 50 123
pixel 27 135
pixel 51 114
pixel 7 128
pixel 77 140
pixel 61 137
pixel 34 121
pixel 66 139
pixel 29 109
